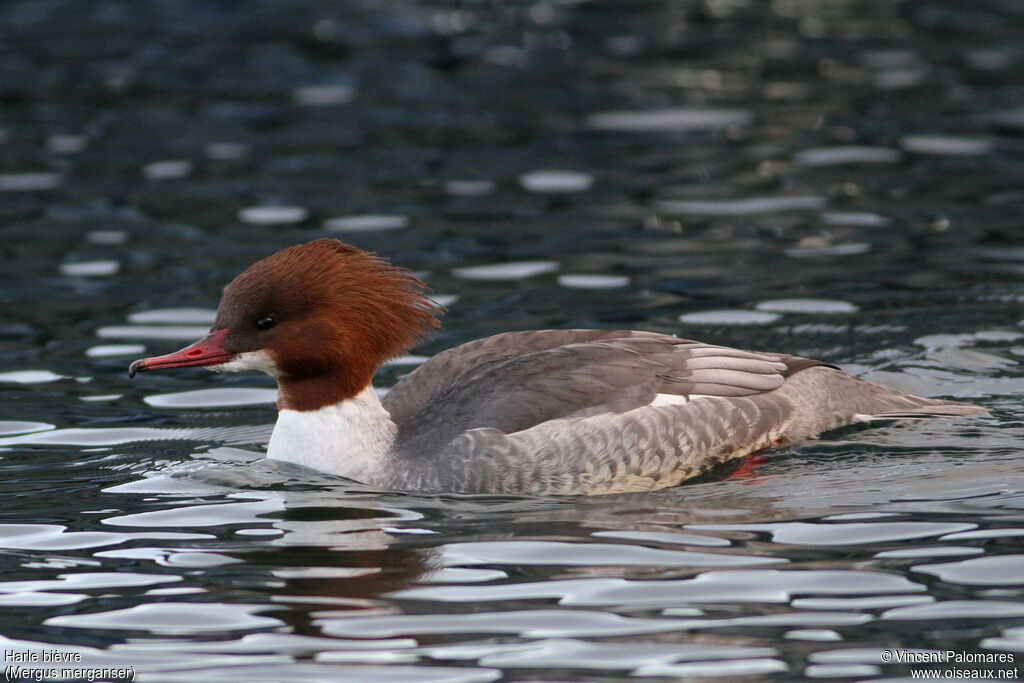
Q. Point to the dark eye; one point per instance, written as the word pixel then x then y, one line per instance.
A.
pixel 264 322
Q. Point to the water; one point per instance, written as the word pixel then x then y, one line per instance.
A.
pixel 840 180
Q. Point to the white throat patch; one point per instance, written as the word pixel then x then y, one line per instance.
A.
pixel 249 360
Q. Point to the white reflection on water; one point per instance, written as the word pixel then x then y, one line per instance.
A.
pixel 29 182
pixel 323 95
pixel 29 376
pixel 850 533
pixel 273 215
pixel 175 316
pixel 585 281
pixel 13 427
pixel 167 169
pixel 542 623
pixel 957 609
pixel 640 659
pixel 999 570
pixel 807 306
pixel 861 603
pixel 213 398
pixel 514 270
pixel 66 144
pixel 172 618
pixel 812 248
pixel 469 188
pixel 89 580
pixel 588 554
pixel 725 586
pixel 366 223
pixel 855 218
pixel 107 350
pixel 113 436
pixel 669 119
pixel 34 599
pixel 171 557
pixel 100 268
pixel 739 207
pixel 179 332
pixel 850 154
pixel 57 537
pixel 556 181
pixel 731 317
pixel 216 514
pixel 946 145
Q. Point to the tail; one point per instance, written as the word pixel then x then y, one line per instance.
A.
pixel 828 398
pixel 926 411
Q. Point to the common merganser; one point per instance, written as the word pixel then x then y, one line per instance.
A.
pixel 539 412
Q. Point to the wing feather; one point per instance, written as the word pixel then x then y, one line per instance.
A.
pixel 518 380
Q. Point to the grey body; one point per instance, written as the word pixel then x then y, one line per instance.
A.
pixel 570 411
pixel 554 411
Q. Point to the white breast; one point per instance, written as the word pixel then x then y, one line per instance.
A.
pixel 353 438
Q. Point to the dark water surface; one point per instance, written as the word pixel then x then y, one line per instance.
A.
pixel 837 179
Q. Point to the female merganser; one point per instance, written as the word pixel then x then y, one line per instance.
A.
pixel 548 411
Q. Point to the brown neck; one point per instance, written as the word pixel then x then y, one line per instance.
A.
pixel 313 393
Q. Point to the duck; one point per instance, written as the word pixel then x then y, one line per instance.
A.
pixel 540 412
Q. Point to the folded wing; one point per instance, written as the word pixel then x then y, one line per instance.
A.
pixel 516 381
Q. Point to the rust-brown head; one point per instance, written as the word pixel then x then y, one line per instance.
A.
pixel 319 317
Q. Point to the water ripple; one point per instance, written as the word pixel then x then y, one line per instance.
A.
pixel 174 316
pixel 651 659
pixel 214 514
pixel 366 223
pixel 114 436
pixel 957 609
pixel 172 618
pixel 526 623
pixel 804 533
pixel 273 215
pixel 669 119
pixel 57 537
pixel 754 585
pixel 584 554
pixel 1001 570
pixel 213 398
pixel 739 207
pixel 517 270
